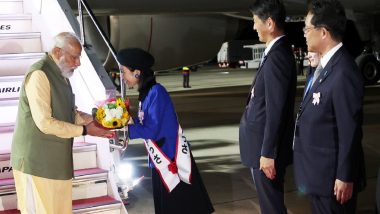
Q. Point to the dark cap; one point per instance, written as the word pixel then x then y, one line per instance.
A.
pixel 135 58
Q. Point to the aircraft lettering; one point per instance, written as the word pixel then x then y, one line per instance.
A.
pixel 9 89
pixel 6 169
pixel 5 27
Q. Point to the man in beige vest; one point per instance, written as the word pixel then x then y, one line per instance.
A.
pixel 47 122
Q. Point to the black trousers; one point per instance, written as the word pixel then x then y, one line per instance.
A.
pixel 270 192
pixel 186 80
pixel 329 205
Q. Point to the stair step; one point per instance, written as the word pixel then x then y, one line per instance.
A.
pixel 20 43
pixel 87 175
pixel 7 194
pixel 8 202
pixel 7 184
pixel 89 183
pixel 6 131
pixel 6 128
pixel 90 189
pixel 5 138
pixel 15 23
pixel 104 205
pixel 10 107
pixel 14 211
pixel 78 175
pixel 11 6
pixel 84 156
pixel 17 64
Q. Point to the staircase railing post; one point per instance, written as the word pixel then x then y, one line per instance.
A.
pixel 113 52
pixel 81 23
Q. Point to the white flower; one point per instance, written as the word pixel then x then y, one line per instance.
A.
pixel 316 98
pixel 113 113
pixel 108 113
pixel 118 112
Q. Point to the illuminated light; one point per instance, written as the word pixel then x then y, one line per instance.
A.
pixel 137 181
pixel 125 171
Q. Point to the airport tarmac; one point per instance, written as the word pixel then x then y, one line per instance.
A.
pixel 209 113
pixel 208 77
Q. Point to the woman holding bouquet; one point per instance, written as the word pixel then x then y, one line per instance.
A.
pixel 177 184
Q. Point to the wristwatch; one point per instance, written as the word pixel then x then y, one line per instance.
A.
pixel 84 131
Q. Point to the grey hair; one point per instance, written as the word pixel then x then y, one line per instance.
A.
pixel 65 38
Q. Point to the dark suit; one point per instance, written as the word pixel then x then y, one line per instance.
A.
pixel 327 144
pixel 266 127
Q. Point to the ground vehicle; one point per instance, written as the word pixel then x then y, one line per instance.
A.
pixel 257 54
pixel 236 53
pixel 369 63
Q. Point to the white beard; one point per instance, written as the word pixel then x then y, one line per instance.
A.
pixel 66 70
pixel 67 74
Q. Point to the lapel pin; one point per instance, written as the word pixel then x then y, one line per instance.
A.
pixel 316 98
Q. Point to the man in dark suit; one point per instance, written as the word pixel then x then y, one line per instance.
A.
pixel 328 155
pixel 266 127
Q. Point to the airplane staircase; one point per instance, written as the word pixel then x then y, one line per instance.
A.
pixel 24 36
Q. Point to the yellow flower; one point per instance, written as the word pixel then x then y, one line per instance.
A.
pixel 106 124
pixel 119 102
pixel 124 121
pixel 126 115
pixel 116 123
pixel 111 111
pixel 100 114
pixel 111 124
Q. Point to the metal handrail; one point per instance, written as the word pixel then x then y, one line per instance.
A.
pixel 113 52
pixel 102 34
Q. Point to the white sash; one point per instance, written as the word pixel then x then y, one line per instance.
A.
pixel 172 173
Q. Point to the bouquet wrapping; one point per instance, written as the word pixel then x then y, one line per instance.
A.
pixel 112 113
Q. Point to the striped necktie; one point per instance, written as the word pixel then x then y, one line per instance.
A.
pixel 262 59
pixel 308 86
pixel 312 80
pixel 317 72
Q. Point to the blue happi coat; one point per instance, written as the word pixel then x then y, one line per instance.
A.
pixel 157 121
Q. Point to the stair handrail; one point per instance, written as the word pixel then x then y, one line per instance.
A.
pixel 102 34
pixel 113 52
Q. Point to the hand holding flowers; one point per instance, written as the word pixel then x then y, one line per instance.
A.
pixel 113 113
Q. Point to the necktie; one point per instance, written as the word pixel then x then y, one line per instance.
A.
pixel 262 59
pixel 308 86
pixel 317 72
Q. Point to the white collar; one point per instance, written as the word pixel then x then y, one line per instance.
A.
pixel 326 58
pixel 271 43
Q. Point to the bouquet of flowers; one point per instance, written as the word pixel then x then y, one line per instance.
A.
pixel 112 113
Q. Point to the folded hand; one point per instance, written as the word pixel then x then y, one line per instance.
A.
pixel 267 166
pixel 343 191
